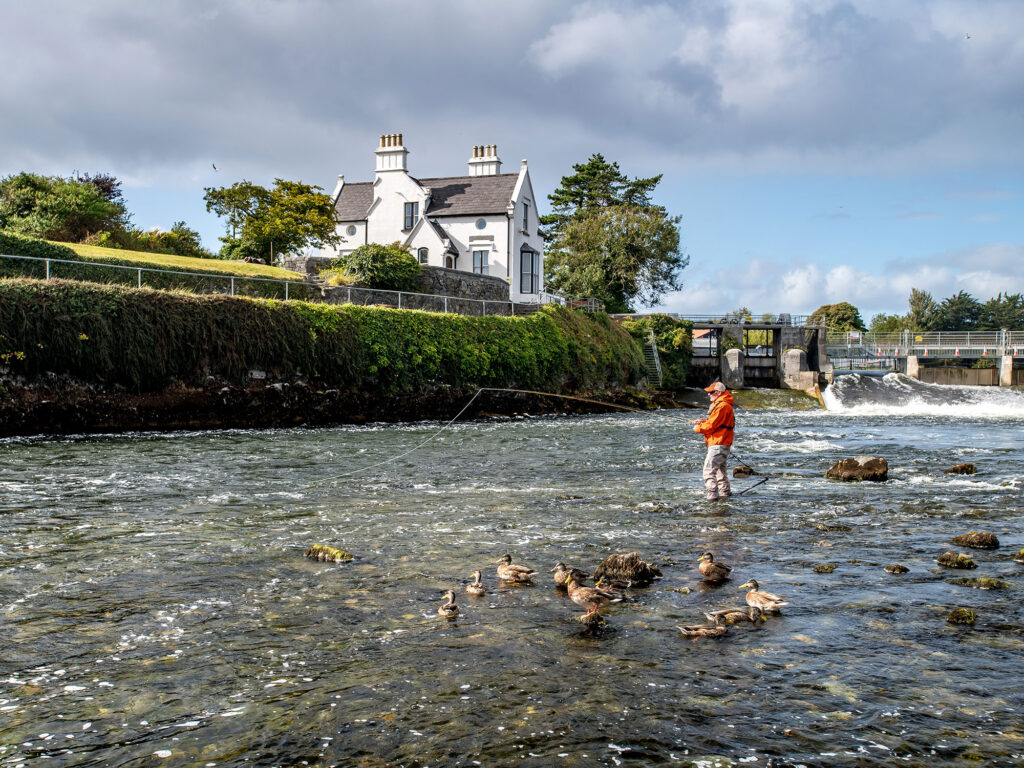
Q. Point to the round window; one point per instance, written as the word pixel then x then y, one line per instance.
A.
pixel 481 224
pixel 351 230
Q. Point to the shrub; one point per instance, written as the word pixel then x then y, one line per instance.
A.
pixel 387 267
pixel 674 339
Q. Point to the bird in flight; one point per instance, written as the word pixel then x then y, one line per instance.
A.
pixel 215 166
pixel 967 36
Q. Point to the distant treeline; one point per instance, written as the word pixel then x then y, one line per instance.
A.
pixel 959 312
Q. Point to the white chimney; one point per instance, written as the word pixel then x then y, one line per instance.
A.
pixel 485 161
pixel 340 185
pixel 391 154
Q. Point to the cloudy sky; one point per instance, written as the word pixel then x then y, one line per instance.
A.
pixel 817 150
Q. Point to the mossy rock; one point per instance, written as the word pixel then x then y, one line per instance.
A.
pixel 827 527
pixel 955 560
pixel 961 469
pixel 961 616
pixel 982 582
pixel 325 554
pixel 896 569
pixel 743 471
pixel 827 568
pixel 977 540
pixel 1019 557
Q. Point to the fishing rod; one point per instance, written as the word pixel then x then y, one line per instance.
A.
pixel 541 394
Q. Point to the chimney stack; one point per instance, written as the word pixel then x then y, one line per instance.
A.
pixel 485 161
pixel 391 154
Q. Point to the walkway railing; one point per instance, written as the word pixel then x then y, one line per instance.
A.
pixel 867 344
pixel 764 319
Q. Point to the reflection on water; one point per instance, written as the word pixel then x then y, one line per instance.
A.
pixel 156 606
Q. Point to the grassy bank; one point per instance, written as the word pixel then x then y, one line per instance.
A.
pixel 144 340
pixel 212 275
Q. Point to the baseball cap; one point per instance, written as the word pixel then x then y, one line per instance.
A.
pixel 716 387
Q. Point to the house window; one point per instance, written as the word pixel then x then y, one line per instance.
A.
pixel 423 253
pixel 449 262
pixel 480 262
pixel 481 224
pixel 526 217
pixel 412 213
pixel 351 230
pixel 529 270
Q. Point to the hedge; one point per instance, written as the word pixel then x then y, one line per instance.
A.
pixel 143 339
pixel 91 270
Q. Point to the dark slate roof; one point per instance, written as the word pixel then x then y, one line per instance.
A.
pixel 354 201
pixel 444 236
pixel 470 195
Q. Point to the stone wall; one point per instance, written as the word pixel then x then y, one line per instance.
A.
pixel 307 265
pixel 468 285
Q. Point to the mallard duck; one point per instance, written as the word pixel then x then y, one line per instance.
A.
pixel 476 588
pixel 591 598
pixel 717 628
pixel 562 571
pixel 763 601
pixel 517 574
pixel 629 566
pixel 713 572
pixel 448 609
pixel 737 615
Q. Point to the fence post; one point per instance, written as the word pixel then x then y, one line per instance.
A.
pixel 350 294
pixel 232 286
pixel 47 269
pixel 286 290
pixel 485 306
pixel 446 304
pixel 399 299
pixel 140 277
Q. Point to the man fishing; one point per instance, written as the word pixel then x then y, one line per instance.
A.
pixel 717 429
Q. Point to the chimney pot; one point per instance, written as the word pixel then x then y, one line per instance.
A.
pixel 399 139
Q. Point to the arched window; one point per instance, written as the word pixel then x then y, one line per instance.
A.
pixel 529 270
pixel 449 262
pixel 423 253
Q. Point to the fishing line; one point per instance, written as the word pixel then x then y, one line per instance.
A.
pixel 541 394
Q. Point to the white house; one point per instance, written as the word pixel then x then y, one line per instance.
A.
pixel 484 222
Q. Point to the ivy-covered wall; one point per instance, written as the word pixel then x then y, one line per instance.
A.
pixel 144 340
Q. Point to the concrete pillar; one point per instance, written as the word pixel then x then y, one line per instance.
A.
pixel 732 369
pixel 913 369
pixel 1006 371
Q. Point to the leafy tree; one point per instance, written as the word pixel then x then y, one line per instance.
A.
pixel 262 222
pixel 959 312
pixel 54 208
pixel 388 267
pixel 923 311
pixel 621 255
pixel 883 323
pixel 1002 311
pixel 596 185
pixel 674 339
pixel 838 317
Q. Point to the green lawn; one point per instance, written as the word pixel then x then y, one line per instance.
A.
pixel 182 263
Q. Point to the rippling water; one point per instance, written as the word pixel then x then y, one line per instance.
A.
pixel 156 607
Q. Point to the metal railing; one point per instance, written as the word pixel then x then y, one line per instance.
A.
pixel 230 281
pixel 354 295
pixel 868 344
pixel 763 319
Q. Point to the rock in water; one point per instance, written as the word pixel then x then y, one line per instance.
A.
pixel 826 568
pixel 743 471
pixel 326 554
pixel 630 567
pixel 955 560
pixel 961 469
pixel 977 540
pixel 872 468
pixel 896 569
pixel 961 616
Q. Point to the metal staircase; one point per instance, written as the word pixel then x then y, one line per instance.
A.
pixel 653 361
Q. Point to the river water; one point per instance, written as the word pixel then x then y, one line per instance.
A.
pixel 156 607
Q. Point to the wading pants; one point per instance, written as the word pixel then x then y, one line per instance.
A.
pixel 716 478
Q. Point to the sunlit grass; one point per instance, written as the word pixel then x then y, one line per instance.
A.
pixel 182 263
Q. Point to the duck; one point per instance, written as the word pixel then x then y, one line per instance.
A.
pixel 476 588
pixel 763 601
pixel 517 574
pixel 717 628
pixel 591 598
pixel 629 566
pixel 713 572
pixel 448 609
pixel 562 572
pixel 737 615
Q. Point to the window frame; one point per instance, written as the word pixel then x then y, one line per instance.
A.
pixel 411 215
pixel 529 270
pixel 423 255
pixel 483 265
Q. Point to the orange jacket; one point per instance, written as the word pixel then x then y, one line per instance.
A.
pixel 718 426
